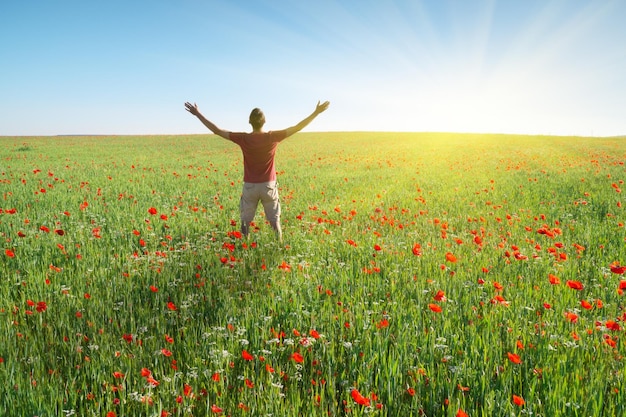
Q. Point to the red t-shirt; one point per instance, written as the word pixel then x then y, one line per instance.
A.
pixel 258 154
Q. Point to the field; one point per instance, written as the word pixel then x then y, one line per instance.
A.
pixel 420 275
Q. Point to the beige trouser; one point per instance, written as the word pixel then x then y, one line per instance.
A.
pixel 267 194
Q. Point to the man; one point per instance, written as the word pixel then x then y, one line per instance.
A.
pixel 259 172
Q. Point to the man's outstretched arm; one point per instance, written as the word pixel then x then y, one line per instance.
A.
pixel 318 109
pixel 193 109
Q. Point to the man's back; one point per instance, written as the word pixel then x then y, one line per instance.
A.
pixel 259 149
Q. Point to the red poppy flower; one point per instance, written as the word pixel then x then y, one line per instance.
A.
pixel 572 317
pixel 187 390
pixel 216 409
pixel 435 308
pixel 246 355
pixel 514 358
pixel 417 249
pixel 171 306
pixel 554 280
pixel 575 285
pixel 461 413
pixel 41 306
pixel 150 380
pixel 450 257
pixel 619 270
pixel 297 357
pixel 612 325
pixel 9 253
pixel 440 296
pixel 358 398
pixel 382 324
pixel 152 211
pixel 519 401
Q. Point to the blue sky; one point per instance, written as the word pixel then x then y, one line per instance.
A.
pixel 496 66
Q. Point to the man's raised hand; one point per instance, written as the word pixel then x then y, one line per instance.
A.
pixel 321 107
pixel 192 108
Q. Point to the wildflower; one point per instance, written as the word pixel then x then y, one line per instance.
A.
pixel 358 398
pixel 297 357
pixel 435 308
pixel 619 270
pixel 514 358
pixel 519 401
pixel 575 285
pixel 461 413
pixel 572 317
pixel 246 355
pixel 450 257
pixel 410 391
pixel 152 211
pixel 382 324
pixel 612 325
pixel 150 380
pixel 216 409
pixel 554 280
pixel 440 296
pixel 9 253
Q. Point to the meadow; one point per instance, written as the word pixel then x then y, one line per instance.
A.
pixel 420 275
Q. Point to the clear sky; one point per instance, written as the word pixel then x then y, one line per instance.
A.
pixel 126 67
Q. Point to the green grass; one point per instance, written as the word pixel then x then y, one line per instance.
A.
pixel 375 226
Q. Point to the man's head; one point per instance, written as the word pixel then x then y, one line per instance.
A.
pixel 257 119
